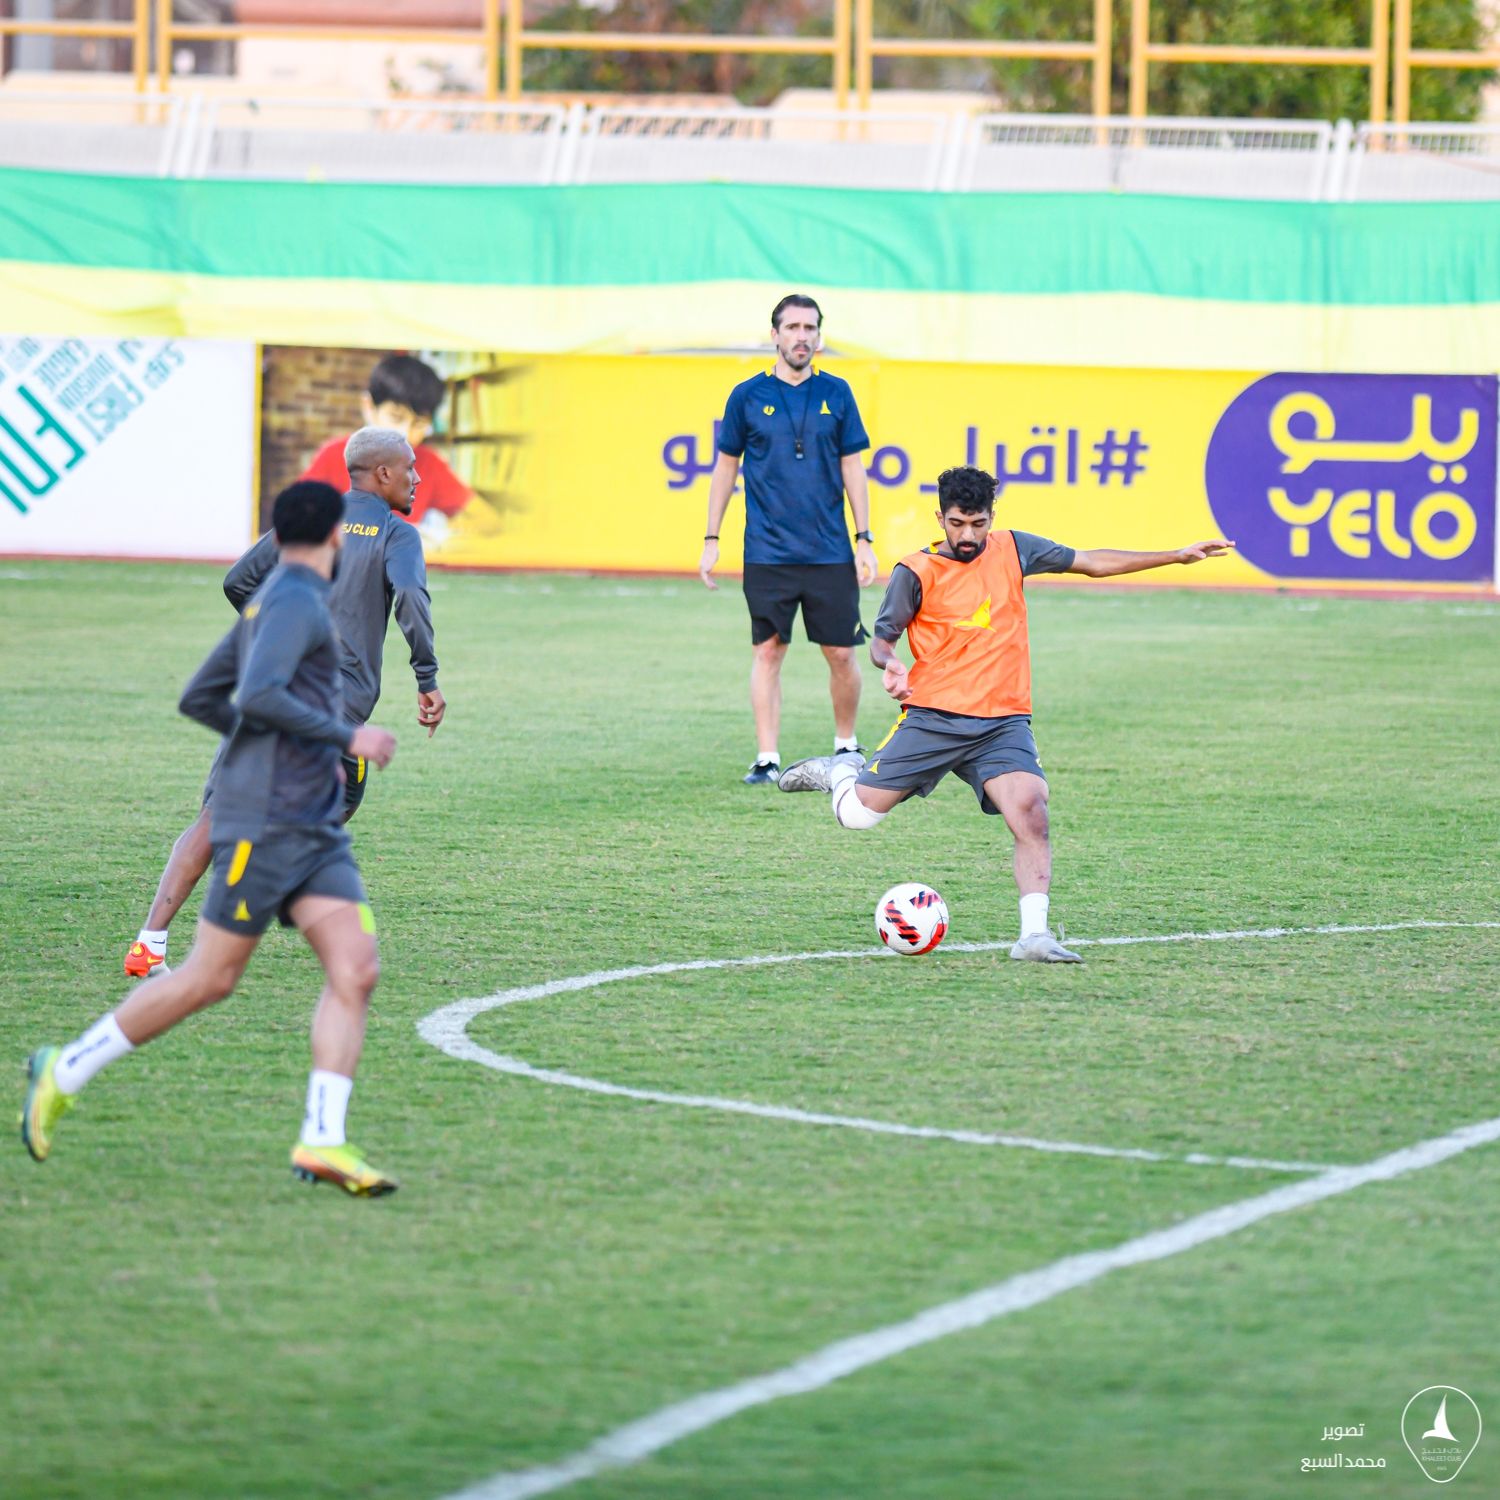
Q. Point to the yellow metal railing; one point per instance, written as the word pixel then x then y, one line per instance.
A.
pixel 835 47
pixel 1407 59
pixel 1375 57
pixel 504 40
pixel 170 30
pixel 137 31
pixel 868 46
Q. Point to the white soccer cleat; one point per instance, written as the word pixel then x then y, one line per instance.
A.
pixel 811 775
pixel 1043 948
pixel 815 774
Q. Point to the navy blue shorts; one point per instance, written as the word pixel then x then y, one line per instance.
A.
pixel 827 594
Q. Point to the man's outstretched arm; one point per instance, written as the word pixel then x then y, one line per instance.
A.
pixel 1105 562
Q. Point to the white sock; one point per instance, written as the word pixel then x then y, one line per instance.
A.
pixel 99 1046
pixel 768 757
pixel 155 940
pixel 327 1104
pixel 847 808
pixel 846 743
pixel 1033 913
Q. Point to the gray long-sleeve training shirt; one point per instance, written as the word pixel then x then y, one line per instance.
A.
pixel 379 566
pixel 272 688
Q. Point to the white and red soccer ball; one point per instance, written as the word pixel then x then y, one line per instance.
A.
pixel 911 918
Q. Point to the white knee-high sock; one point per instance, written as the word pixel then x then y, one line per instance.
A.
pixel 1033 913
pixel 99 1046
pixel 327 1104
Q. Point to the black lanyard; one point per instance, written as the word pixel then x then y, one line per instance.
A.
pixel 801 427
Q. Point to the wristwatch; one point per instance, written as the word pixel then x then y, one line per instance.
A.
pixel 864 536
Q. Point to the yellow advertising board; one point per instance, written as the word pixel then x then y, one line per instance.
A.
pixel 1369 481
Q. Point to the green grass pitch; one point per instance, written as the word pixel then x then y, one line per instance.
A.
pixel 182 1319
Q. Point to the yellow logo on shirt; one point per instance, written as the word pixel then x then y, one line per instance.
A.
pixel 251 610
pixel 825 412
pixel 980 619
pixel 355 528
pixel 770 411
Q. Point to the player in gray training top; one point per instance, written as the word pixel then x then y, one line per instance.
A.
pixel 271 688
pixel 380 567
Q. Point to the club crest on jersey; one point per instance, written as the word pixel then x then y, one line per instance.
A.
pixel 770 411
pixel 980 619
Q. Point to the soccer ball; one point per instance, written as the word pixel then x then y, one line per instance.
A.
pixel 911 918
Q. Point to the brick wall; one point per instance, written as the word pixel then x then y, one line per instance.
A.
pixel 307 397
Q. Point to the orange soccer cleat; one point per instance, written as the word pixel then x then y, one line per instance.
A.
pixel 142 963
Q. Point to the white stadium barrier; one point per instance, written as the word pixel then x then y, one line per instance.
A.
pixel 442 141
pixel 121 133
pixel 811 148
pixel 1424 162
pixel 341 140
pixel 1102 154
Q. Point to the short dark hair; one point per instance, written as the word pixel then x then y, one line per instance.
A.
pixel 306 513
pixel 403 378
pixel 968 490
pixel 796 299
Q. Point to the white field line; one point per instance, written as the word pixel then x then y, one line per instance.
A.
pixel 447 1030
pixel 637 1440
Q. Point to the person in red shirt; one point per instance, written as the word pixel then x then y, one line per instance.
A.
pixel 403 394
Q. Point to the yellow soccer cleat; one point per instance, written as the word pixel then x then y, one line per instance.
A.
pixel 45 1103
pixel 341 1165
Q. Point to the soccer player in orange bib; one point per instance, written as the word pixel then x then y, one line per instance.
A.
pixel 966 699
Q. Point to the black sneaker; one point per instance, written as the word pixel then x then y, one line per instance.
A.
pixel 763 773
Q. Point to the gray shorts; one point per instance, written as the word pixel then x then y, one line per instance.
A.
pixel 256 879
pixel 927 743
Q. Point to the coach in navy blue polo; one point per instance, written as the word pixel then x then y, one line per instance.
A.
pixel 799 432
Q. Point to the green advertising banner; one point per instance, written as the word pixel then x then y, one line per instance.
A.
pixel 1057 279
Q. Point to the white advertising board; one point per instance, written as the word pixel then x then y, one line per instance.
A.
pixel 126 447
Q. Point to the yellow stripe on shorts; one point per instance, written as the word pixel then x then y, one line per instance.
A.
pixel 900 720
pixel 359 771
pixel 240 860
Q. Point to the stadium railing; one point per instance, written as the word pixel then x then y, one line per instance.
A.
pixel 137 31
pixel 377 140
pixel 1405 162
pixel 119 132
pixel 1094 50
pixel 1406 59
pixel 816 148
pixel 518 41
pixel 168 31
pixel 1376 57
pixel 1101 154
